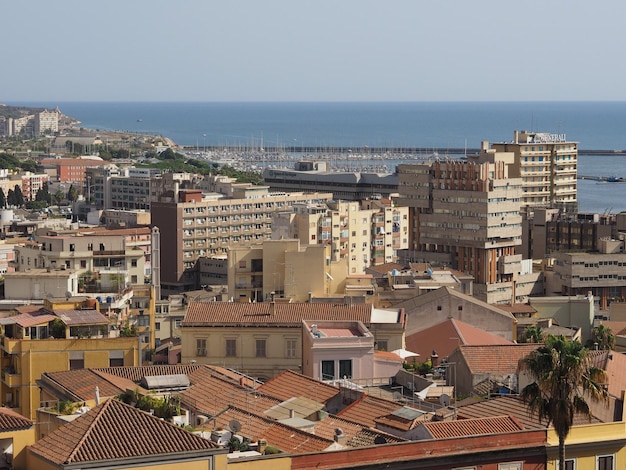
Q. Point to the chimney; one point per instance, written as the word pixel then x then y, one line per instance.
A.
pixel 434 358
pixel 97 395
pixel 340 437
pixel 262 445
pixel 292 413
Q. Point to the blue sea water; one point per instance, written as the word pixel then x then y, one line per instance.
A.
pixel 441 125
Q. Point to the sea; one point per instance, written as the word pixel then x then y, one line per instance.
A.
pixel 444 127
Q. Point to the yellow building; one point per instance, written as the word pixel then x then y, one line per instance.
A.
pixel 265 338
pixel 284 268
pixel 16 434
pixel 61 335
pixel 589 447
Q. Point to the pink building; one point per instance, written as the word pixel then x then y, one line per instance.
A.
pixel 335 351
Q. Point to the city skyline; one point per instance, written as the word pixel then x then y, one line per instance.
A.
pixel 325 51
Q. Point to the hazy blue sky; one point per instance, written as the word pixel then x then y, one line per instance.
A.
pixel 323 50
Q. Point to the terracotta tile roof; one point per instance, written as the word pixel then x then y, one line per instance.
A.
pixel 617 327
pixel 614 368
pixel 13 421
pixel 365 410
pixel 290 384
pixel 114 431
pixel 268 313
pixel 512 406
pixel 402 423
pixel 495 359
pixel 211 393
pixel 26 320
pixel 135 374
pixel 285 438
pixel 446 336
pixel 370 437
pixel 385 268
pixel 388 355
pixel 471 427
pixel 80 384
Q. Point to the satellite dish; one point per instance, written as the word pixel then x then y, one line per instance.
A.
pixel 234 425
pixel 68 295
pixel 444 400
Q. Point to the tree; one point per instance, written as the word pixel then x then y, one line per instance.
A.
pixel 72 194
pixel 11 197
pixel 19 197
pixel 602 336
pixel 563 379
pixel 534 334
pixel 3 199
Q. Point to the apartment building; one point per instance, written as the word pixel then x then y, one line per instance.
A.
pixel 60 335
pixel 546 231
pixel 31 183
pixel 194 225
pixel 283 269
pixel 364 233
pixel 111 258
pixel 69 170
pixel 601 273
pixel 46 122
pixel 465 214
pixel 547 164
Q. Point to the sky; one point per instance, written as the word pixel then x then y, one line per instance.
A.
pixel 323 50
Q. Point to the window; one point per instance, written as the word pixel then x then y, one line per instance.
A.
pixel 290 348
pixel 260 348
pixel 133 263
pixel 77 360
pixel 116 358
pixel 200 347
pixel 510 466
pixel 328 370
pixel 231 348
pixel 157 325
pixel 570 464
pixel 604 462
pixel 382 345
pixel 177 323
pixel 345 368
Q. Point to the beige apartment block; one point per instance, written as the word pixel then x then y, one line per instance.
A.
pixel 603 273
pixel 364 233
pixel 283 269
pixel 465 215
pixel 547 164
pixel 194 224
pixel 107 258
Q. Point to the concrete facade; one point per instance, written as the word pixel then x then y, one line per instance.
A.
pixel 465 214
pixel 547 165
pixel 194 225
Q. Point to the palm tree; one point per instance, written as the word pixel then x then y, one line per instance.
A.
pixel 534 334
pixel 564 378
pixel 603 335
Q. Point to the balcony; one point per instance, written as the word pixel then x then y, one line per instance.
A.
pixel 10 378
pixel 11 345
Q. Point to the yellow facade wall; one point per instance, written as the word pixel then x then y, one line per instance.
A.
pixel 261 463
pixel 34 462
pixel 585 443
pixel 31 358
pixel 21 440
